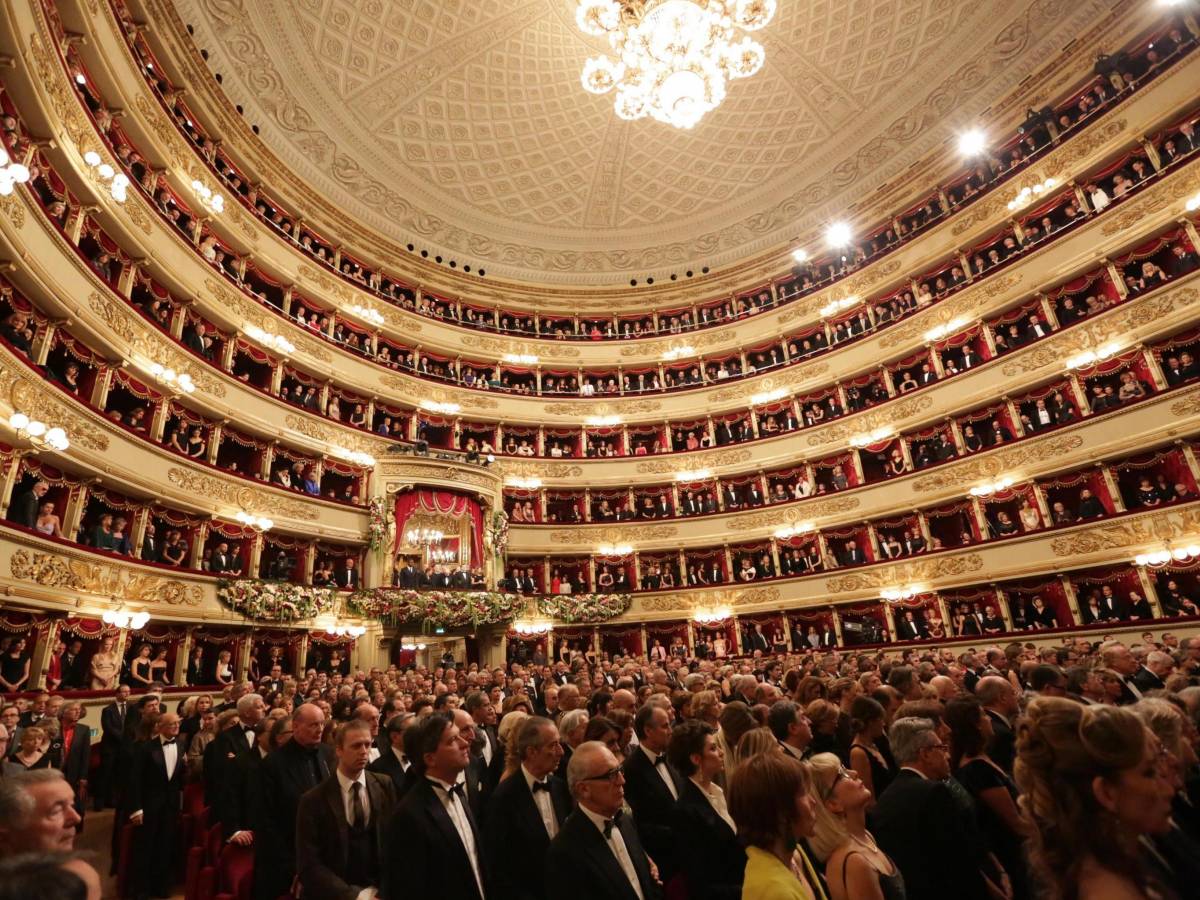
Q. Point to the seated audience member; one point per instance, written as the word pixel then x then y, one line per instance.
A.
pixel 1093 787
pixel 711 863
pixel 597 854
pixel 855 867
pixel 770 799
pixel 919 793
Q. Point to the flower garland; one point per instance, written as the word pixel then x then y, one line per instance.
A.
pixel 583 609
pixel 275 601
pixel 377 525
pixel 436 609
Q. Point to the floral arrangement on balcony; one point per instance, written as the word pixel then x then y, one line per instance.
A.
pixel 583 609
pixel 436 609
pixel 378 514
pixel 275 601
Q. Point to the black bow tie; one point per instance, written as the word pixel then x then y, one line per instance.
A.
pixel 169 742
pixel 455 790
pixel 660 760
pixel 247 729
pixel 609 823
pixel 540 786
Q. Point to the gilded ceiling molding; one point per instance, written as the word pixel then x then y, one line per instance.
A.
pixel 810 512
pixel 14 211
pixel 997 463
pixel 613 534
pixel 688 600
pixel 229 492
pixel 1138 531
pixel 950 566
pixel 139 336
pixel 708 460
pixel 870 420
pixel 53 570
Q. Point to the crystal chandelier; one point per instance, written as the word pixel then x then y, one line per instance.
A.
pixel 673 57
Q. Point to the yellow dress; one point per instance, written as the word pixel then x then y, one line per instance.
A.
pixel 769 879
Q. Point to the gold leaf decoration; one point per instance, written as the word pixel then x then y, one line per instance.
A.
pixel 27 394
pixel 870 420
pixel 501 346
pixel 793 514
pixel 613 534
pixel 229 492
pixel 108 579
pixel 1149 529
pixel 996 463
pixel 875 578
pixel 714 459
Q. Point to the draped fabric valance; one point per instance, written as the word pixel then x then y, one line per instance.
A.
pixel 457 516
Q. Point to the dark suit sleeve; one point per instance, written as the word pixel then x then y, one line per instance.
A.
pixel 702 858
pixel 313 839
pixel 507 861
pixel 406 868
pixel 957 872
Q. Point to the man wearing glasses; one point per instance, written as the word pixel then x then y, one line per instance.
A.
pixel 597 854
pixel 941 858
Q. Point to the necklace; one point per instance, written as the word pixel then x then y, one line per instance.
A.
pixel 868 842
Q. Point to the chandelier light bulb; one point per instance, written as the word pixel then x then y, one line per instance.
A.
pixel 800 255
pixel 838 235
pixel 92 158
pixel 972 143
pixel 19 421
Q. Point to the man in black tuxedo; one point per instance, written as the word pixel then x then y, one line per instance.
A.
pixel 758 640
pixel 224 561
pixel 407 576
pixel 286 775
pixel 852 555
pixel 1000 703
pixel 597 855
pixel 526 584
pixel 525 813
pixel 431 844
pixel 339 823
pixel 490 752
pixel 394 761
pixel 74 668
pixel 1154 671
pixel 652 786
pixel 112 731
pixel 938 858
pixel 151 549
pixel 24 509
pixel 909 628
pixel 828 636
pixel 155 786
pixel 347 575
pixel 76 751
pixel 222 755
pixel 706 845
pixel 1111 606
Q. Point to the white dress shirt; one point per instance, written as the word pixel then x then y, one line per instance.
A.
pixel 663 772
pixel 488 749
pixel 456 809
pixel 616 842
pixel 170 756
pixel 344 784
pixel 545 806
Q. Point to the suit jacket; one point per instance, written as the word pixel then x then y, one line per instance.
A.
pixel 909 631
pixel 242 793
pixel 78 759
pixel 515 838
pixel 712 861
pixel 423 854
pixel 759 642
pixel 1145 680
pixel 24 510
pixel 389 764
pixel 323 836
pixel 944 836
pixel 112 725
pixel 74 672
pixel 220 755
pixel 149 789
pixel 346 578
pixel 652 804
pixel 285 776
pixel 581 866
pixel 1003 746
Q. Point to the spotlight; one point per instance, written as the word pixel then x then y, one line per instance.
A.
pixel 838 235
pixel 972 143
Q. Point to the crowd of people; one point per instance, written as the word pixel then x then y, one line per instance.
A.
pixel 1065 771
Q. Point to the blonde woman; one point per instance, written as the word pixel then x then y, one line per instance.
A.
pixel 754 742
pixel 104 666
pixel 855 867
pixel 509 726
pixel 31 753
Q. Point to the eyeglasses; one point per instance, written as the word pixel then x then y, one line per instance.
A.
pixel 939 747
pixel 610 776
pixel 841 774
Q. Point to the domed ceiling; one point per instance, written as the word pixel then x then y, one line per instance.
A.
pixel 461 125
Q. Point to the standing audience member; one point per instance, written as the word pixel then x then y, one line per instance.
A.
pixel 653 785
pixel 155 793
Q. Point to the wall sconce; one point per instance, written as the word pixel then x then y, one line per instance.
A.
pixel 409 645
pixel 179 381
pixel 992 487
pixel 790 531
pixel 834 307
pixel 711 615
pixel 940 331
pixel 346 630
pixel 1029 193
pixel 602 421
pixel 1192 205
pixel 530 483
pixel 374 316
pixel 39 433
pixel 258 523
pixel 11 173
pixel 121 619
pixel 693 475
pixel 104 174
pixel 366 460
pixel 209 199
pixel 904 593
pixel 276 342
pixel 768 396
pixel 1091 357
pixel 1167 555
pixel 614 550
pixel 530 628
pixel 521 359
pixel 436 406
pixel 679 352
pixel 872 437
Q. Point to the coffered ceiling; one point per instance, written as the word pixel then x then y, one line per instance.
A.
pixel 461 125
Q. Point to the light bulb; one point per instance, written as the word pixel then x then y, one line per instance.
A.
pixel 972 143
pixel 35 428
pixel 92 158
pixel 18 420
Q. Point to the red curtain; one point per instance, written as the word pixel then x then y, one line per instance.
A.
pixel 443 503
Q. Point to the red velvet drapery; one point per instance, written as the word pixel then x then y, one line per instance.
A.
pixel 443 503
